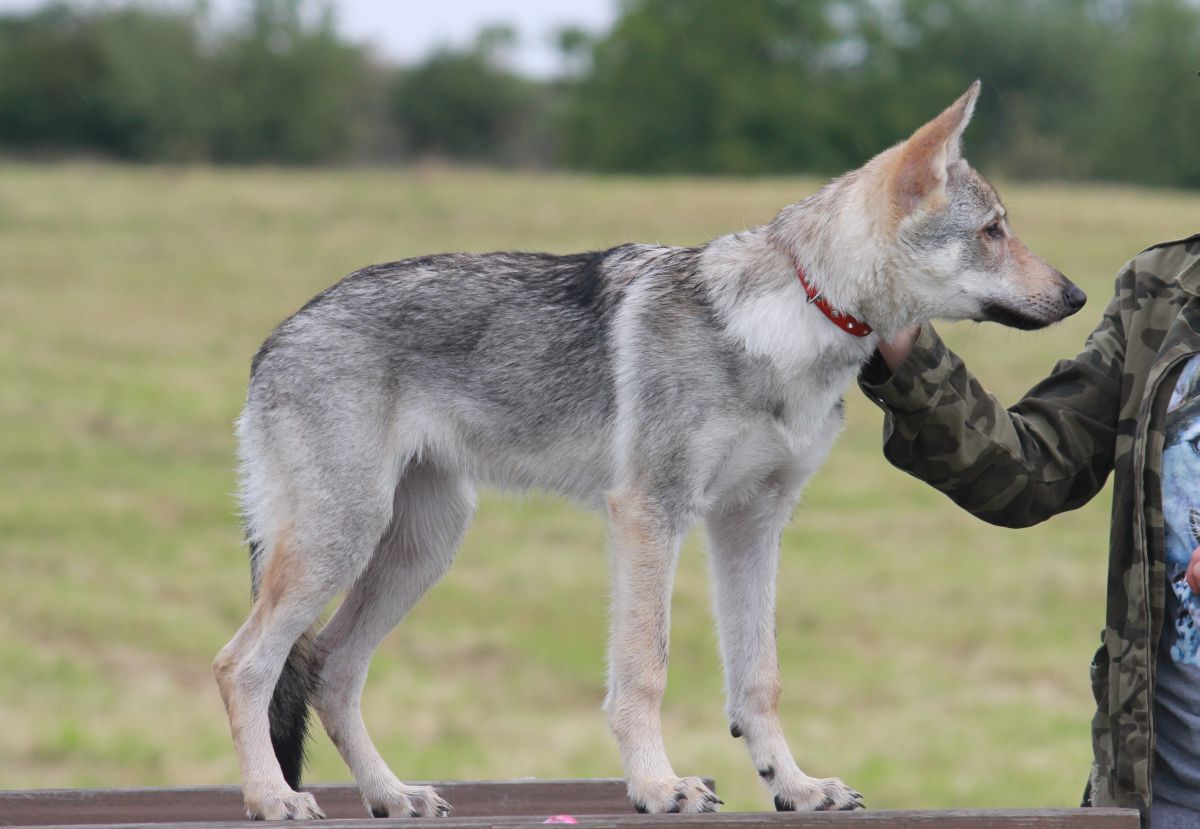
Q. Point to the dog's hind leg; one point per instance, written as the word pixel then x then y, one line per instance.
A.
pixel 744 549
pixel 432 510
pixel 316 514
pixel 645 549
pixel 295 585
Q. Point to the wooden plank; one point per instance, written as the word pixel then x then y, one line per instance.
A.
pixel 961 819
pixel 224 803
pixel 598 804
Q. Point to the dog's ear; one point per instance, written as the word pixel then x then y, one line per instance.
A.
pixel 926 157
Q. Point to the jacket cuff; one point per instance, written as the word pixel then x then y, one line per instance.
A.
pixel 918 384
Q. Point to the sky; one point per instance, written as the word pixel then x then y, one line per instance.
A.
pixel 404 31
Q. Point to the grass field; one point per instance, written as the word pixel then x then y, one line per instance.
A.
pixel 930 659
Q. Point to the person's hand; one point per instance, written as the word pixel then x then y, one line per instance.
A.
pixel 1193 571
pixel 895 352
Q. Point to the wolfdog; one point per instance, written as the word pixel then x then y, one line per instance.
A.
pixel 665 385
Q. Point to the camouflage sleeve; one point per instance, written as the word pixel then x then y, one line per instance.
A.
pixel 1049 453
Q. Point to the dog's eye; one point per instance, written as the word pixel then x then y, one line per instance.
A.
pixel 1195 444
pixel 994 231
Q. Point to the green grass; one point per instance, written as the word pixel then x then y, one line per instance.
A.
pixel 931 660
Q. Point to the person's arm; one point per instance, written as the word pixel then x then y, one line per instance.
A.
pixel 1049 453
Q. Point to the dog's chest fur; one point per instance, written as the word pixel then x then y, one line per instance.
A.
pixel 796 366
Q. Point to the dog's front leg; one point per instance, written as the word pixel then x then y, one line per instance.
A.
pixel 645 546
pixel 744 546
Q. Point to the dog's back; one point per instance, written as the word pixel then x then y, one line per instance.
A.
pixel 500 365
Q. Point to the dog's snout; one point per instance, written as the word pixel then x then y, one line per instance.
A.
pixel 1073 297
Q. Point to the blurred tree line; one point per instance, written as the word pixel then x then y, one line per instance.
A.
pixel 1073 88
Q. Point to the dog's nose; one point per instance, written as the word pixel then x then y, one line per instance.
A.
pixel 1073 298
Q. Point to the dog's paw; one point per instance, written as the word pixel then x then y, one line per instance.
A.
pixel 283 806
pixel 813 795
pixel 400 800
pixel 687 795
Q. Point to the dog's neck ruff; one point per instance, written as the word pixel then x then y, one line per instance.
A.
pixel 849 324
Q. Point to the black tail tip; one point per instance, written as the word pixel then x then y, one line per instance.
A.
pixel 289 712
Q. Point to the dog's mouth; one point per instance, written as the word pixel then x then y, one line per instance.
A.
pixel 1003 314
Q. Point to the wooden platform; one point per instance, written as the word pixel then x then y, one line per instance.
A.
pixel 596 804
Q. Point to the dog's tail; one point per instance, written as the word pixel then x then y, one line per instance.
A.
pixel 288 712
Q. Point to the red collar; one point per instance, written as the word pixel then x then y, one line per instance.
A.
pixel 849 324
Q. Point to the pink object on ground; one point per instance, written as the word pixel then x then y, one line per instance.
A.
pixel 560 819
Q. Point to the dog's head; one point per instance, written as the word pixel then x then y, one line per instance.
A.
pixel 948 243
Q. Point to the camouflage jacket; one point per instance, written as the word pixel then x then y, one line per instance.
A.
pixel 1099 412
